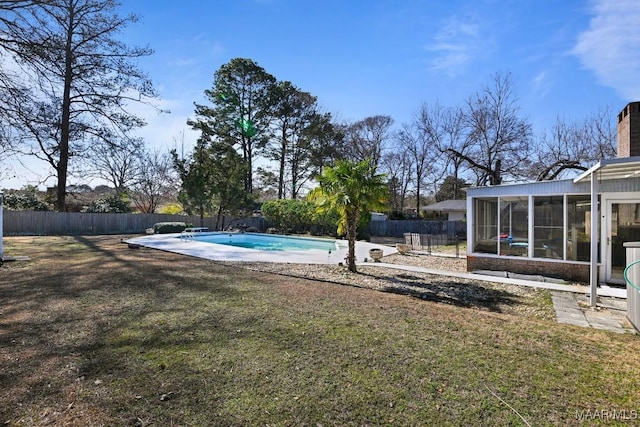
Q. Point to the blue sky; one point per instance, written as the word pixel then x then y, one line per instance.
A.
pixel 365 57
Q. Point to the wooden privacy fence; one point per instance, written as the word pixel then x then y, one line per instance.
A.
pixel 37 223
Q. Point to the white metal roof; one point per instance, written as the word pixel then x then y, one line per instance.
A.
pixel 447 206
pixel 626 167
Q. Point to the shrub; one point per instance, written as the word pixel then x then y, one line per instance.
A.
pixel 171 209
pixel 24 200
pixel 168 227
pixel 288 215
pixel 324 223
pixel 299 216
pixel 110 203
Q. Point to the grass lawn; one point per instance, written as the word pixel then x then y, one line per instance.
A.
pixel 95 333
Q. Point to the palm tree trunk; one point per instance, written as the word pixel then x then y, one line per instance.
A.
pixel 351 237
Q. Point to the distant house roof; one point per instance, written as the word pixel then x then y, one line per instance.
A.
pixel 447 206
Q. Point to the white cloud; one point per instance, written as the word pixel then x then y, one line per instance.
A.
pixel 183 62
pixel 214 47
pixel 611 46
pixel 455 45
pixel 541 84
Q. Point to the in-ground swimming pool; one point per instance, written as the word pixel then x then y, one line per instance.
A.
pixel 265 242
pixel 260 247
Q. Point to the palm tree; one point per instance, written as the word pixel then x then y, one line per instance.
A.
pixel 351 189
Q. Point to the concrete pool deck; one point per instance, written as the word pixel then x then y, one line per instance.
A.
pixel 216 252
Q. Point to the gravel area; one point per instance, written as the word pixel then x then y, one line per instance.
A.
pixel 496 297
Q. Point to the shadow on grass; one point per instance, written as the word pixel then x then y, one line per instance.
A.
pixel 72 316
pixel 449 291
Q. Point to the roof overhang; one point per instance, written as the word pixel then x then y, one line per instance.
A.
pixel 621 168
pixel 627 167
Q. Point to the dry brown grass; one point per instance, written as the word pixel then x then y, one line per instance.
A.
pixel 95 333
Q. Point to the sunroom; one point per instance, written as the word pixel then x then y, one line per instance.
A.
pixel 549 228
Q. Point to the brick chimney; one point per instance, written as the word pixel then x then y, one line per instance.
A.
pixel 629 130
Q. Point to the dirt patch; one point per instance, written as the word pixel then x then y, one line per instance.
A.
pixel 482 295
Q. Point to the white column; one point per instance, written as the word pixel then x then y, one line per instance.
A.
pixel 498 230
pixel 530 228
pixel 593 276
pixel 471 220
pixel 565 225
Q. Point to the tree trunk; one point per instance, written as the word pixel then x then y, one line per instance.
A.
pixel 496 174
pixel 283 153
pixel 218 218
pixel 418 198
pixel 248 157
pixel 352 227
pixel 351 257
pixel 63 160
pixel 294 176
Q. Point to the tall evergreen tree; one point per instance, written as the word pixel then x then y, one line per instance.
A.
pixel 296 126
pixel 212 180
pixel 292 112
pixel 451 188
pixel 240 111
pixel 367 139
pixel 197 191
pixel 228 169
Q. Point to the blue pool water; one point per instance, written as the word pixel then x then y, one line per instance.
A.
pixel 266 242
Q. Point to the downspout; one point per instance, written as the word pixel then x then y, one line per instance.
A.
pixel 593 276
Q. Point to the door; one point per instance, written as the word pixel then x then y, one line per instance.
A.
pixel 623 226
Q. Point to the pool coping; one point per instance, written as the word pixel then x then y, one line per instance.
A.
pixel 173 243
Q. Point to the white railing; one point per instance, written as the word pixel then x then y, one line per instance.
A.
pixel 189 233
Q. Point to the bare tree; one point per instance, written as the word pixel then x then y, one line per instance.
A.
pixel 559 151
pixel 397 165
pixel 443 126
pixel 11 12
pixel 6 143
pixel 76 80
pixel 499 139
pixel 451 134
pixel 422 153
pixel 116 164
pixel 155 182
pixel 367 138
pixel 573 146
pixel 601 134
pixel 11 9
